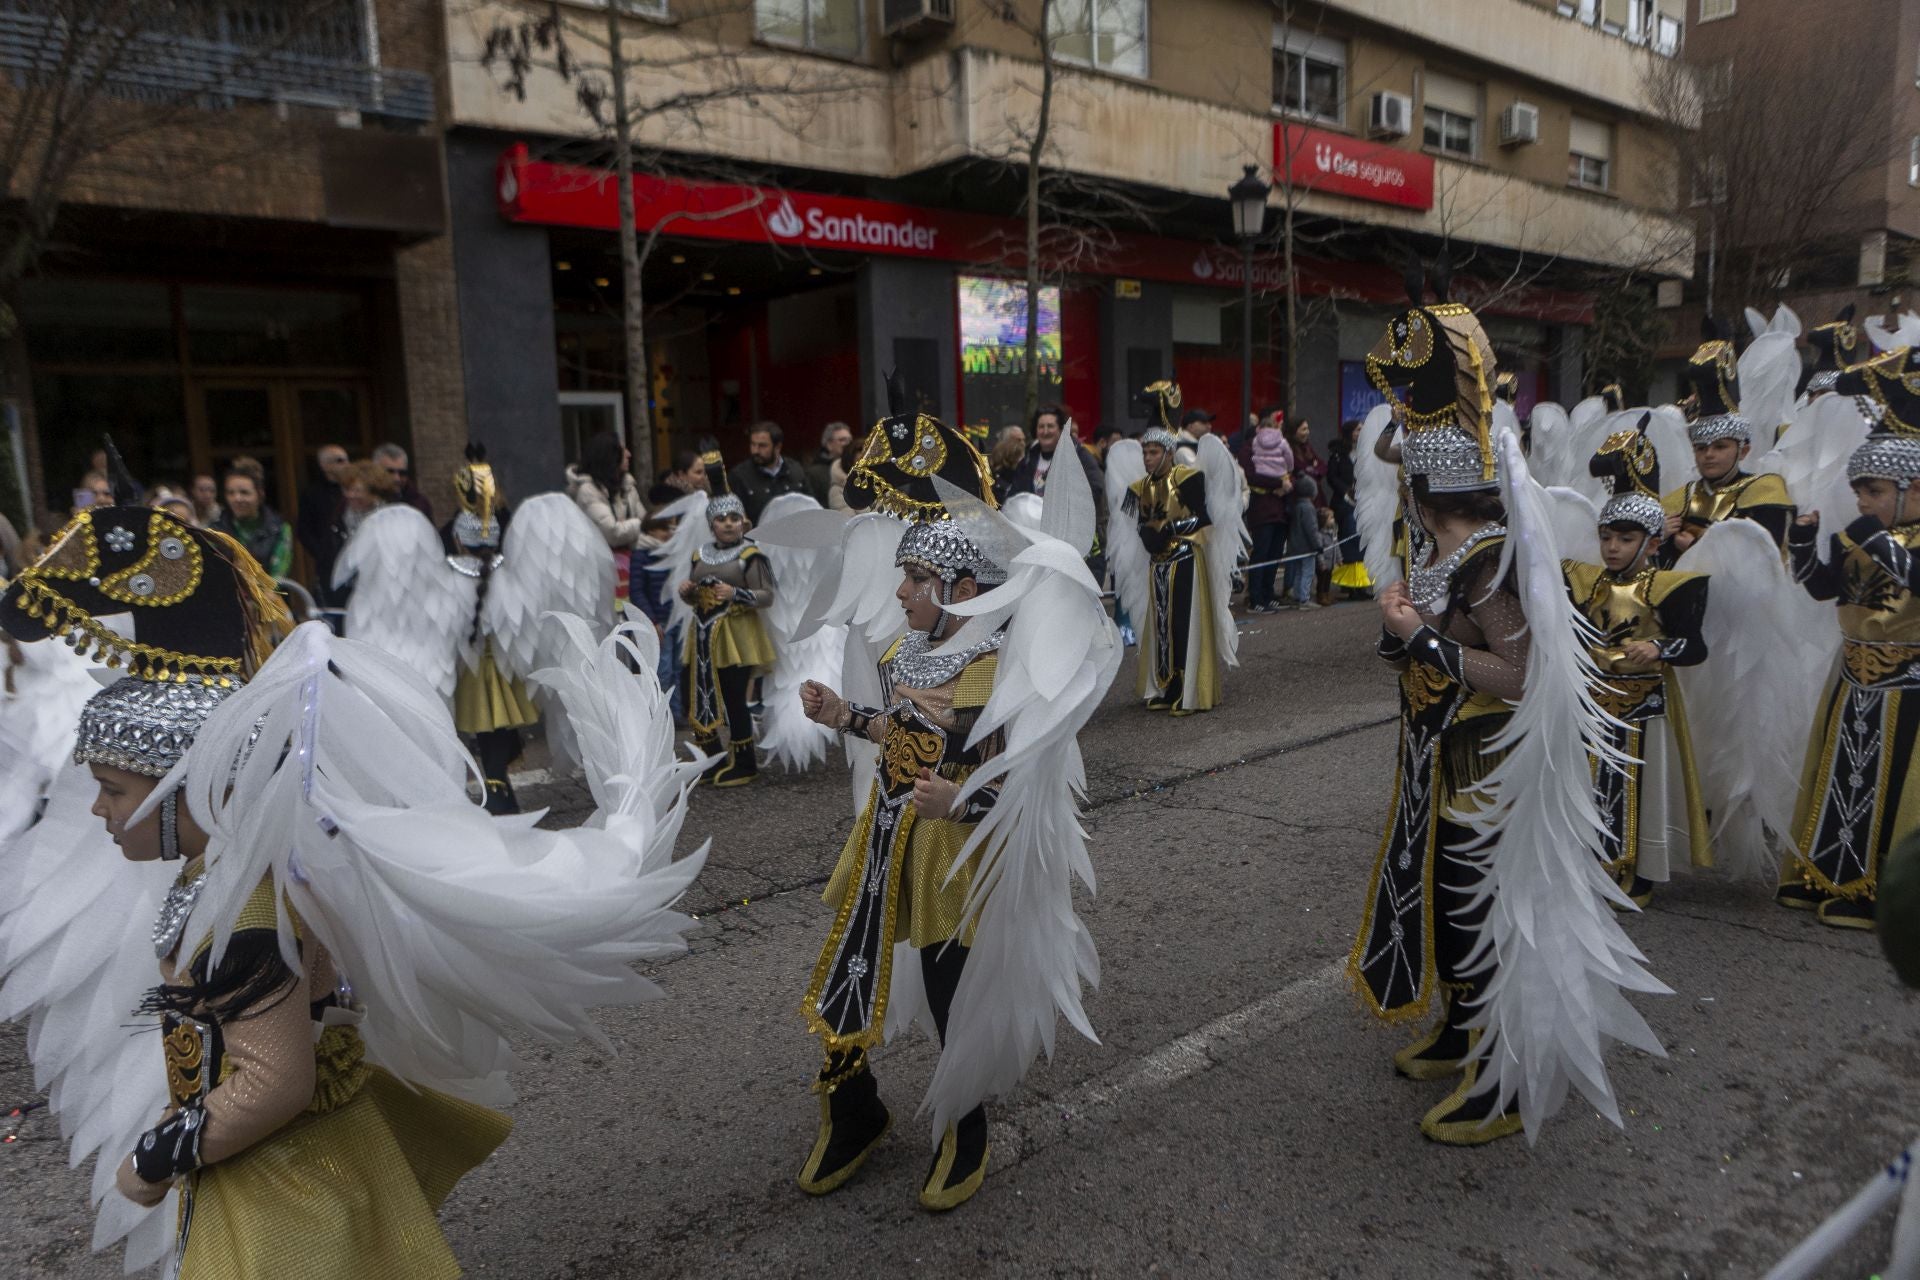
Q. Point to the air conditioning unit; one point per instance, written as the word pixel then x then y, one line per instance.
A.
pixel 1519 124
pixel 916 17
pixel 1391 117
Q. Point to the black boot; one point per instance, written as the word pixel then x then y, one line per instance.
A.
pixel 1470 1121
pixel 498 749
pixel 852 1122
pixel 960 1164
pixel 742 765
pixel 1847 913
pixel 710 747
pixel 1439 1053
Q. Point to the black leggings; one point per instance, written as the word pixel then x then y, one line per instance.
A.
pixel 733 696
pixel 940 966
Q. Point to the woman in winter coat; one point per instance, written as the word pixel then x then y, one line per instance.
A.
pixel 1268 463
pixel 604 488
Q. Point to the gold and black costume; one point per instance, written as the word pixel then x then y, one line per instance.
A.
pixel 1761 498
pixel 725 648
pixel 311 1163
pixel 1713 374
pixel 1655 796
pixel 1177 633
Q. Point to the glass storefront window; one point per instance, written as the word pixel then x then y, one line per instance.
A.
pixel 993 348
pixel 144 413
pixel 275 328
pixel 97 322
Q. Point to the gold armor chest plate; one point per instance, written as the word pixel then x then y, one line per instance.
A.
pixel 1874 607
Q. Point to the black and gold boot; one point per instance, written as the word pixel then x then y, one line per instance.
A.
pixel 852 1122
pixel 1442 1051
pixel 1800 897
pixel 742 765
pixel 1637 887
pixel 1470 1121
pixel 960 1165
pixel 1847 913
pixel 707 746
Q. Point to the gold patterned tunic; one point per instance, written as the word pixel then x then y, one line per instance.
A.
pixel 892 880
pixel 1860 788
pixel 1655 797
pixel 315 1164
pixel 1760 498
pixel 1177 659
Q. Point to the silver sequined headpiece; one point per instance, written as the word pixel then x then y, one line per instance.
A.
pixel 145 726
pixel 1449 458
pixel 1720 426
pixel 1822 382
pixel 470 531
pixel 939 547
pixel 1886 456
pixel 727 504
pixel 1160 436
pixel 1635 508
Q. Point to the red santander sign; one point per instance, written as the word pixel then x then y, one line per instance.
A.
pixel 1334 163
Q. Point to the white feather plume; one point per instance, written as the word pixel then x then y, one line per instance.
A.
pixel 406 599
pixel 675 555
pixel 42 690
pixel 785 733
pixel 1559 961
pixel 552 560
pixel 1376 500
pixel 1769 371
pixel 1126 555
pixel 1812 459
pixel 1226 540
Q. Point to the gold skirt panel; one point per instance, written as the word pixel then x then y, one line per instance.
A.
pixel 739 640
pixel 486 698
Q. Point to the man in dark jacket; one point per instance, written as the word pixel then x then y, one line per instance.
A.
pixel 313 525
pixel 1053 431
pixel 765 475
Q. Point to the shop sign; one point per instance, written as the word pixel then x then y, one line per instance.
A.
pixel 1334 163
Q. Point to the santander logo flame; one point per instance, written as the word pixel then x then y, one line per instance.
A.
pixel 785 222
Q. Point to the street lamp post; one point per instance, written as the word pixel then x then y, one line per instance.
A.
pixel 1249 199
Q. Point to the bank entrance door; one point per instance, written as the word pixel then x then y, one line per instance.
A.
pixel 586 414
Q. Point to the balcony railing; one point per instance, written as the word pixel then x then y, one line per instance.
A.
pixel 216 55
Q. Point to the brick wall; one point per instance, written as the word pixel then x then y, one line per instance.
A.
pixel 430 342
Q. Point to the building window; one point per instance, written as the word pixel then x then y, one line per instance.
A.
pixel 1710 181
pixel 1712 9
pixel 824 26
pixel 1309 76
pixel 1452 110
pixel 1108 34
pixel 1589 154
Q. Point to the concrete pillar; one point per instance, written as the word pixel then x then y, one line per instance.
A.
pixel 435 378
pixel 907 321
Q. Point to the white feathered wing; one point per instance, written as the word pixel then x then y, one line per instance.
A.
pixel 42 690
pixel 1769 372
pixel 407 601
pixel 675 555
pixel 336 775
pixel 1560 961
pixel 1030 951
pixel 1748 705
pixel 1226 540
pixel 552 560
pixel 1127 559
pixel 785 733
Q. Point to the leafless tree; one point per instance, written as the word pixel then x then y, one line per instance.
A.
pixel 635 83
pixel 1772 150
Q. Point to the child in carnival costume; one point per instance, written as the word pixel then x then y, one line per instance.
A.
pixel 953 897
pixel 1722 438
pixel 1488 891
pixel 343 939
pixel 1860 789
pixel 723 586
pixel 1648 622
pixel 1175 533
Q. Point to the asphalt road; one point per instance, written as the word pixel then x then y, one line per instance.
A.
pixel 1239 1117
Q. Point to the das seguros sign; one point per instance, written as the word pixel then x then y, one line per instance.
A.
pixel 1339 165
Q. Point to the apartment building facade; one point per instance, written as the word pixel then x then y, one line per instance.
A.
pixel 879 223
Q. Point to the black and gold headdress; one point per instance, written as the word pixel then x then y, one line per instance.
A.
pixel 1713 371
pixel 1442 356
pixel 903 453
pixel 1892 452
pixel 1630 465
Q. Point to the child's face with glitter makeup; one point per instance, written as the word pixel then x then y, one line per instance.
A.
pixel 919 596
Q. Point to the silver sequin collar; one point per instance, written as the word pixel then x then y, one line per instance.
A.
pixel 918 666
pixel 714 553
pixel 469 566
pixel 1432 585
pixel 174 912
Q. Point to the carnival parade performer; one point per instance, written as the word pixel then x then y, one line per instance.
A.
pixel 722 586
pixel 1647 621
pixel 1175 533
pixel 1488 894
pixel 1722 438
pixel 344 939
pixel 953 900
pixel 466 606
pixel 1861 780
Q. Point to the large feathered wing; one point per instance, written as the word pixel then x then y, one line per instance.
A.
pixel 335 775
pixel 1227 540
pixel 785 733
pixel 406 599
pixel 1769 374
pixel 1376 501
pixel 552 560
pixel 1549 429
pixel 1126 555
pixel 1559 962
pixel 1812 459
pixel 675 555
pixel 1749 704
pixel 1031 953
pixel 1576 524
pixel 76 958
pixel 42 690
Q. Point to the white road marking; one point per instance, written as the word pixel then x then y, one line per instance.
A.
pixel 1040 1122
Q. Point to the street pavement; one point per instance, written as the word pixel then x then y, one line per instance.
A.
pixel 1240 1115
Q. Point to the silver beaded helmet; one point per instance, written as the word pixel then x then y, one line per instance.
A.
pixel 941 549
pixel 1450 460
pixel 1635 508
pixel 145 726
pixel 727 504
pixel 1160 436
pixel 1892 452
